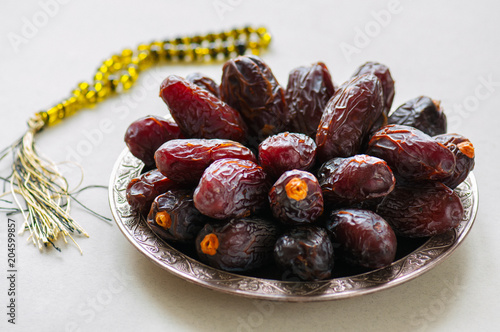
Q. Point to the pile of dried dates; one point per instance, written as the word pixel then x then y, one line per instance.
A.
pixel 307 182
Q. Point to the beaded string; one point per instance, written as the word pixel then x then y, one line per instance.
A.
pixel 38 181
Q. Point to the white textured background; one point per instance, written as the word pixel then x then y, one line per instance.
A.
pixel 446 50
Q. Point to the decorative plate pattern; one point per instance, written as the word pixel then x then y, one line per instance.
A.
pixel 432 252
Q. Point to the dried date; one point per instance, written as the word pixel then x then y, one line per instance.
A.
pixel 141 191
pixel 147 134
pixel 422 113
pixel 249 86
pixel 412 154
pixel 296 198
pixel 363 238
pixel 204 82
pixel 353 180
pixel 239 245
pixel 421 211
pixel 184 160
pixel 231 188
pixel 384 75
pixel 286 151
pixel 463 150
pixel 305 252
pixel 173 217
pixel 308 91
pixel 348 117
pixel 199 113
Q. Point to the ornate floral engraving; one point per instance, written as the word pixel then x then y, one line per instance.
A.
pixel 428 255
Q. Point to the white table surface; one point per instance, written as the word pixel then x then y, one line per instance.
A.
pixel 446 50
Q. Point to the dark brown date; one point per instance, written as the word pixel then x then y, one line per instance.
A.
pixel 384 75
pixel 249 86
pixel 353 180
pixel 286 151
pixel 305 252
pixel 173 217
pixel 184 160
pixel 308 91
pixel 348 117
pixel 239 245
pixel 463 150
pixel 422 113
pixel 421 211
pixel 296 198
pixel 412 154
pixel 146 134
pixel 363 238
pixel 231 188
pixel 141 191
pixel 199 113
pixel 204 82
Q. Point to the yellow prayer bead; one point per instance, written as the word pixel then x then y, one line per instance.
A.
pixel 266 40
pixel 133 72
pixel 127 55
pixel 69 105
pixel 126 82
pixel 91 97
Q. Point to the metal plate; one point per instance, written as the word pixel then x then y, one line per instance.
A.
pixel 431 253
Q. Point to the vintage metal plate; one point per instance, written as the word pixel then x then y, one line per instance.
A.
pixel 431 253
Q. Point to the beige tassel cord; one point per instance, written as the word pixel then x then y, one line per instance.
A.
pixel 38 181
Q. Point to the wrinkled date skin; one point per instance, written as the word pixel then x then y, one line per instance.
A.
pixel 348 117
pixel 286 151
pixel 249 86
pixel 421 211
pixel 356 179
pixel 184 160
pixel 231 188
pixel 412 154
pixel 142 191
pixel 305 252
pixel 384 75
pixel 363 237
pixel 422 113
pixel 296 198
pixel 463 150
pixel 173 217
pixel 204 82
pixel 199 113
pixel 308 91
pixel 147 134
pixel 239 245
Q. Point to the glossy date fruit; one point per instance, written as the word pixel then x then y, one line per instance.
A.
pixel 356 179
pixel 173 217
pixel 286 151
pixel 199 113
pixel 463 150
pixel 308 91
pixel 384 75
pixel 141 191
pixel 422 113
pixel 348 117
pixel 184 160
pixel 231 188
pixel 249 86
pixel 146 134
pixel 412 154
pixel 421 211
pixel 296 198
pixel 363 238
pixel 239 245
pixel 204 82
pixel 305 252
